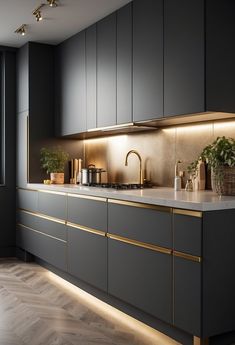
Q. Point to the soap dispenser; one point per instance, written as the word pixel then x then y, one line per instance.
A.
pixel 177 181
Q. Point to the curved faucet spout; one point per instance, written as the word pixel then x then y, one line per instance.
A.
pixel 141 181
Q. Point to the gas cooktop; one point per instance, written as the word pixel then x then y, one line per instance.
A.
pixel 121 186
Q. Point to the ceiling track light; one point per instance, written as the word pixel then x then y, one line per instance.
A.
pixel 37 12
pixel 52 3
pixel 21 30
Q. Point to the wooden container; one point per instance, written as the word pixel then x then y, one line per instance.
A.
pixel 57 178
pixel 223 182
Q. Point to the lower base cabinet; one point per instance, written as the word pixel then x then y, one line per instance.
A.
pixel 87 257
pixel 141 277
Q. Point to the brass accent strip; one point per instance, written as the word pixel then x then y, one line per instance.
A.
pixel 187 256
pixel 89 197
pixel 42 233
pixel 39 215
pixel 140 205
pixel 197 214
pixel 51 192
pixel 123 125
pixel 85 228
pixel 200 341
pixel 140 244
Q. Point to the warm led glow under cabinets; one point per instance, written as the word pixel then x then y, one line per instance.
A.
pixel 149 335
pixel 201 127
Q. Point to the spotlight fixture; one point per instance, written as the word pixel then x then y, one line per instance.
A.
pixel 37 13
pixel 21 30
pixel 52 3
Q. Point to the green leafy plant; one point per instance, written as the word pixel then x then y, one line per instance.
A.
pixel 53 159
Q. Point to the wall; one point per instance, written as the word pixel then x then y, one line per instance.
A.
pixel 159 150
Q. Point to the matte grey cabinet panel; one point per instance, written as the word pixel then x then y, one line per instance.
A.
pixel 89 213
pixel 87 257
pixel 50 250
pixel 22 149
pixel 184 60
pixel 27 199
pixel 187 234
pixel 187 295
pixel 147 59
pixel 53 205
pixel 48 227
pixel 72 91
pixel 22 78
pixel 106 71
pixel 140 224
pixel 141 277
pixel 124 64
pixel 91 76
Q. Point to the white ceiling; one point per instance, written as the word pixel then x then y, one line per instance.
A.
pixel 70 17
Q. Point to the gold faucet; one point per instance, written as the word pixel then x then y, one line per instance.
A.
pixel 140 159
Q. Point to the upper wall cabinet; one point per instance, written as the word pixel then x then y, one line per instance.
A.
pixel 106 72
pixel 147 59
pixel 71 86
pixel 184 57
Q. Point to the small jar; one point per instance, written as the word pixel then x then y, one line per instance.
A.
pixel 189 185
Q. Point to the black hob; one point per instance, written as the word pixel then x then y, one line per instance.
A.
pixel 121 186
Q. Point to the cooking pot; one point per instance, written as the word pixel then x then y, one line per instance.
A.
pixel 91 175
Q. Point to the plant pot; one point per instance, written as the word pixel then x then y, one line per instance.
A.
pixel 223 180
pixel 57 178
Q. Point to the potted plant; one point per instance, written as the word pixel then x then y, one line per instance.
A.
pixel 220 157
pixel 53 161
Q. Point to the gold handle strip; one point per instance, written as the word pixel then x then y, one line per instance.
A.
pixel 51 192
pixel 200 341
pixel 140 205
pixel 140 244
pixel 191 213
pixel 41 233
pixel 27 154
pixel 187 256
pixel 89 197
pixel 86 229
pixel 39 215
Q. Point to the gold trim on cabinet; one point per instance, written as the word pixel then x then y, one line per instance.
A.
pixel 197 214
pixel 89 197
pixel 140 244
pixel 86 229
pixel 140 205
pixel 42 233
pixel 39 215
pixel 51 192
pixel 200 341
pixel 187 256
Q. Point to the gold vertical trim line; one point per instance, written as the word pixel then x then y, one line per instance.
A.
pixel 27 129
pixel 51 192
pixel 191 213
pixel 39 215
pixel 187 256
pixel 86 229
pixel 140 205
pixel 200 341
pixel 140 244
pixel 89 197
pixel 41 233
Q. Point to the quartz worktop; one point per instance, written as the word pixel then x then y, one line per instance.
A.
pixel 199 201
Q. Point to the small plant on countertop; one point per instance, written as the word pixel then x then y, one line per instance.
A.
pixel 53 159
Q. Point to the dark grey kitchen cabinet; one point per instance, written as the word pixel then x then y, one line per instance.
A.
pixel 106 71
pixel 147 59
pixel 124 64
pixel 22 150
pixel 184 57
pixel 27 199
pixel 71 85
pixel 52 204
pixel 22 77
pixel 91 76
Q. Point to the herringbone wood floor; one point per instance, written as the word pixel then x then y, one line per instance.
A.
pixel 36 310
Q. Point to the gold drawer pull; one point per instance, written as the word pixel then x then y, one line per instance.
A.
pixel 187 256
pixel 86 229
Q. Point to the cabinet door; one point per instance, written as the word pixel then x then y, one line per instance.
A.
pixel 53 204
pixel 72 91
pixel 106 71
pixel 141 277
pixel 147 59
pixel 87 257
pixel 124 64
pixel 22 79
pixel 183 57
pixel 91 76
pixel 22 164
pixel 27 200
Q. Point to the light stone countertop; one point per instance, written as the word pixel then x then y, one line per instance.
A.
pixel 199 201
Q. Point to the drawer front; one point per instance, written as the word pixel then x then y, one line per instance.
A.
pixel 141 277
pixel 53 205
pixel 141 224
pixel 27 199
pixel 88 212
pixel 87 257
pixel 49 227
pixel 187 234
pixel 47 248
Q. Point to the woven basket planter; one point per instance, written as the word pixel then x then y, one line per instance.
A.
pixel 223 182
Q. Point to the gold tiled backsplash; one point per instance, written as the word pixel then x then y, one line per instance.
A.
pixel 159 150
